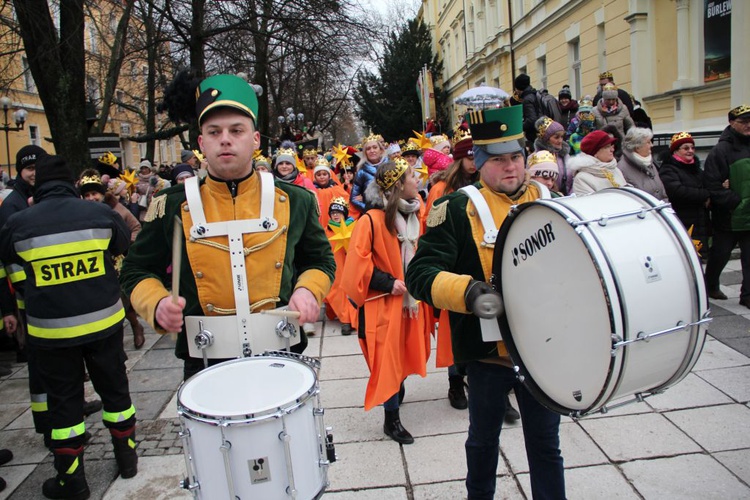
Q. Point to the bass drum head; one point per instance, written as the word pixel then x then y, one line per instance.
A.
pixel 247 388
pixel 554 293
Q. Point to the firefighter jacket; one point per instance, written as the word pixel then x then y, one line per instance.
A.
pixel 65 246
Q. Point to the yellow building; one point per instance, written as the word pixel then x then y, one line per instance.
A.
pixel 656 50
pixel 17 84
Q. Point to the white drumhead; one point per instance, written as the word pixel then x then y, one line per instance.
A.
pixel 247 386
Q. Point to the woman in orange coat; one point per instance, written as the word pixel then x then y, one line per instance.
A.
pixel 393 327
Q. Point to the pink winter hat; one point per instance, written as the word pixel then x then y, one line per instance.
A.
pixel 436 160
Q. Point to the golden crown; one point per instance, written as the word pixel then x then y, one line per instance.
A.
pixel 460 134
pixel 90 179
pixel 437 139
pixel 542 128
pixel 609 87
pixel 679 136
pixel 322 162
pixel 285 152
pixel 411 146
pixel 586 116
pixel 260 158
pixel 372 137
pixel 606 74
pixel 199 155
pixel 739 110
pixel 310 151
pixel 340 200
pixel 108 159
pixel 542 156
pixel 392 175
pixel 586 102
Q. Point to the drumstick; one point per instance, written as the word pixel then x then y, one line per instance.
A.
pixel 284 313
pixel 377 297
pixel 176 263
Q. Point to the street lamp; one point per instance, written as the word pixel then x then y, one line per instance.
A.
pixel 290 118
pixel 19 116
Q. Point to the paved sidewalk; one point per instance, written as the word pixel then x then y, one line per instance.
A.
pixel 691 442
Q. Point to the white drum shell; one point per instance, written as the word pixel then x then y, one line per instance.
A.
pixel 566 297
pixel 278 395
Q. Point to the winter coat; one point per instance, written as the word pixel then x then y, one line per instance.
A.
pixel 567 113
pixel 729 159
pixel 620 118
pixel 17 200
pixel 364 176
pixel 688 195
pixel 622 95
pixel 644 178
pixel 591 175
pixel 532 111
pixel 565 179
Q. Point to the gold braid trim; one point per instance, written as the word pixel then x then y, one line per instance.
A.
pixel 437 214
pixel 246 251
pixel 253 307
pixel 611 178
pixel 157 209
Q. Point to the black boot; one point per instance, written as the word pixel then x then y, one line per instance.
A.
pixel 394 429
pixel 70 482
pixel 456 394
pixel 511 414
pixel 346 329
pixel 125 454
pixel 401 394
pixel 91 407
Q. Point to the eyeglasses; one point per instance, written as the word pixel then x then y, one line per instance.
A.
pixel 687 147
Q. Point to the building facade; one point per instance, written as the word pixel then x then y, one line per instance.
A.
pixel 683 59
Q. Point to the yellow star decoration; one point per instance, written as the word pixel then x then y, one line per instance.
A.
pixel 421 140
pixel 130 180
pixel 301 166
pixel 423 172
pixel 697 243
pixel 342 234
pixel 341 154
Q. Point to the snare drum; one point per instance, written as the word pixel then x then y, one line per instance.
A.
pixel 252 428
pixel 604 298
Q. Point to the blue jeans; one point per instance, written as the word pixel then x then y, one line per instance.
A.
pixel 488 384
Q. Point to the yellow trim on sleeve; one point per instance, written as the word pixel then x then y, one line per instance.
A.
pixel 448 291
pixel 145 297
pixel 316 281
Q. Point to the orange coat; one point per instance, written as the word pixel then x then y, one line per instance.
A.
pixel 325 195
pixel 395 345
pixel 337 303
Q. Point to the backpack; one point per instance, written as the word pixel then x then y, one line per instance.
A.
pixel 549 106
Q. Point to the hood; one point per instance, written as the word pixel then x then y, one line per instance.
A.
pixel 374 196
pixel 582 161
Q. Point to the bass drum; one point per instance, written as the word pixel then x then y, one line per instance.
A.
pixel 604 298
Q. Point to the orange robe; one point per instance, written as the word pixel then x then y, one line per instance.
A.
pixel 337 303
pixel 444 350
pixel 395 345
pixel 325 195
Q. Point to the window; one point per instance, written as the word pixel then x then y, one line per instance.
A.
pixel 574 54
pixel 523 70
pixel 144 74
pixel 542 66
pixel 119 98
pixel 34 135
pixel 133 70
pixel 92 89
pixel 93 40
pixel 28 81
pixel 601 48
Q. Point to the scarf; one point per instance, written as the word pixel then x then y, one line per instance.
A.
pixel 607 169
pixel 683 160
pixel 643 163
pixel 290 177
pixel 407 232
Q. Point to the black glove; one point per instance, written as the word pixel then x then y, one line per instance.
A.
pixel 483 300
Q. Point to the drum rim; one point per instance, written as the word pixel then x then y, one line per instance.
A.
pixel 528 380
pixel 248 418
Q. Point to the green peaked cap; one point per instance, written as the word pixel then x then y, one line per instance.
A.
pixel 227 91
pixel 494 126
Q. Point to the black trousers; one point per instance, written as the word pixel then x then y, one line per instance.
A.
pixel 721 250
pixel 62 371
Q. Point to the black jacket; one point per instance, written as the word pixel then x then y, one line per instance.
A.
pixel 16 201
pixel 532 111
pixel 65 245
pixel 688 194
pixel 732 148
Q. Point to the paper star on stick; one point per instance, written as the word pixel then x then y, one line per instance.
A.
pixel 696 243
pixel 421 140
pixel 342 234
pixel 341 154
pixel 423 172
pixel 130 180
pixel 301 166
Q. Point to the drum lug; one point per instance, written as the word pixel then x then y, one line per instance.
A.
pixel 319 412
pixel 330 447
pixel 246 350
pixel 185 484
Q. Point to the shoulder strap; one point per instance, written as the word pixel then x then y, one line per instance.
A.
pixel 483 210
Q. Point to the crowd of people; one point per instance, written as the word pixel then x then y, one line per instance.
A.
pixel 394 240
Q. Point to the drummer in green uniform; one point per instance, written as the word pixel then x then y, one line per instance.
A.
pixel 249 243
pixel 452 269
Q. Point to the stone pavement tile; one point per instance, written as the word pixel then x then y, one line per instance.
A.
pixel 26 445
pixel 730 327
pixel 506 489
pixel 690 392
pixel 20 370
pixel 23 421
pixel 155 380
pixel 716 354
pixel 158 359
pixel 439 458
pixel 429 418
pixel 165 342
pixel 694 476
pixel 631 437
pixel 150 335
pixel 717 310
pixel 599 481
pixel 371 494
pixel 313 347
pixel 736 461
pixel 342 367
pixel 10 412
pixel 379 464
pixel 134 357
pixel 14 476
pixel 432 387
pixel 628 409
pixel 158 478
pixel 731 277
pixel 15 390
pixel 170 410
pixel 340 346
pixel 99 475
pixel 717 428
pixel 740 344
pixel 346 393
pixel 731 304
pixel 148 405
pixel 577 448
pixel 356 425
pixel 731 381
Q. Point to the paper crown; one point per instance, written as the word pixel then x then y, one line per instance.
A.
pixel 309 151
pixel 199 155
pixel 542 128
pixel 372 137
pixel 459 134
pixel 229 91
pixel 90 179
pixel 390 176
pixel 91 183
pixel 609 91
pixel 607 75
pixel 260 159
pixel 740 110
pixel 437 139
pixel 586 116
pixel 542 156
pixel 108 158
pixel 497 125
pixel 340 204
pixel 679 139
pixel 322 162
pixel 411 148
